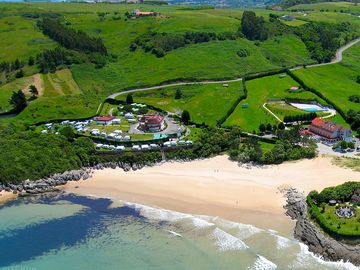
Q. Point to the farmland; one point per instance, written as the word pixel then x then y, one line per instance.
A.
pixel 259 91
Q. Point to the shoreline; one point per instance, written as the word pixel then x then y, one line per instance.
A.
pixel 6 196
pixel 217 187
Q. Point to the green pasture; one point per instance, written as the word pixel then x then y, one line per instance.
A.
pixel 205 102
pixel 336 82
pixel 328 6
pixel 259 91
pixel 20 38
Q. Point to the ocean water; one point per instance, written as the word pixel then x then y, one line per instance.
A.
pixel 64 231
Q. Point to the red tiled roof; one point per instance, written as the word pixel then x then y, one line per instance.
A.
pixel 326 125
pixel 104 118
pixel 144 13
pixel 152 119
pixel 294 88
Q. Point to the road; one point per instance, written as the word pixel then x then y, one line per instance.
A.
pixel 338 57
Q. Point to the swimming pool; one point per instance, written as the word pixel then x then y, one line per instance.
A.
pixel 309 107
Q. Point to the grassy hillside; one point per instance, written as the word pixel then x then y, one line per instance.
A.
pixel 205 103
pixel 20 38
pixel 337 82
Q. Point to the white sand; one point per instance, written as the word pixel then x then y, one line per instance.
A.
pixel 216 187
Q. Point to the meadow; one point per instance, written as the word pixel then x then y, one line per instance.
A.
pixel 77 92
pixel 328 6
pixel 259 91
pixel 206 103
pixel 336 82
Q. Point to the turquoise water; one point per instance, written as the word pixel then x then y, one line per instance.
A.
pixel 65 231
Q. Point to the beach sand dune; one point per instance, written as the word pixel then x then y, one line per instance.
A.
pixel 217 187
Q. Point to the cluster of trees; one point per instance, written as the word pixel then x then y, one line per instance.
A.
pixel 39 156
pixel 70 38
pixel 253 27
pixel 160 43
pixel 353 118
pixel 341 193
pixel 290 146
pixel 271 128
pixel 344 145
pixel 16 66
pixel 355 98
pixel 321 39
pixel 301 117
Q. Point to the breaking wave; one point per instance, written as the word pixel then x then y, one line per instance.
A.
pixel 262 263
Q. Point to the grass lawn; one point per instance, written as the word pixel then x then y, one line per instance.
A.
pixel 329 6
pixel 205 102
pixel 344 226
pixel 266 147
pixel 259 91
pixel 337 82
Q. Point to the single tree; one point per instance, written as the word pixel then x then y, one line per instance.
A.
pixel 68 132
pixel 178 94
pixel 18 100
pixel 31 61
pixel 33 90
pixel 185 117
pixel 129 99
pixel 262 128
pixel 19 73
pixel 268 127
pixel 281 126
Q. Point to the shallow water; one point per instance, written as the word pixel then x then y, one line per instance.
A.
pixel 74 232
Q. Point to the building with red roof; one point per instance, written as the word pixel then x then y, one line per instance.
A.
pixel 330 131
pixel 151 122
pixel 103 119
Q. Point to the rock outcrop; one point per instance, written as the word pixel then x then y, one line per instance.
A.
pixel 313 237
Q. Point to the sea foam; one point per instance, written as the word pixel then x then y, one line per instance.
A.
pixel 226 241
pixel 306 257
pixel 262 263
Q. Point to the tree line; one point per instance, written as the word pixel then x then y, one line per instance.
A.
pixel 161 43
pixel 70 38
pixel 300 117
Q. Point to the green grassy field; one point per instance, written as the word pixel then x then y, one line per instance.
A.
pixel 205 103
pixel 79 93
pixel 259 91
pixel 337 82
pixel 329 6
pixel 295 22
pixel 20 38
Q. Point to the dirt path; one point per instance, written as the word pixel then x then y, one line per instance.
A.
pixel 37 81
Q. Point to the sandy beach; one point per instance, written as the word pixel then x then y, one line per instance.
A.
pixel 217 187
pixel 6 196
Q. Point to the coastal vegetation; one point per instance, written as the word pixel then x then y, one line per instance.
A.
pixel 76 55
pixel 324 214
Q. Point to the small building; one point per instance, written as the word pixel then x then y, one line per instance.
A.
pixel 139 13
pixel 330 131
pixel 129 115
pixel 151 122
pixel 116 121
pixel 103 120
pixel 294 89
pixel 287 18
pixel 245 105
pixel 356 196
pixel 225 85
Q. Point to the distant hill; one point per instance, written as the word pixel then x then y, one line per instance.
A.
pixel 290 3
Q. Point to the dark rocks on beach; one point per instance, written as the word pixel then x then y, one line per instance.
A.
pixel 312 236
